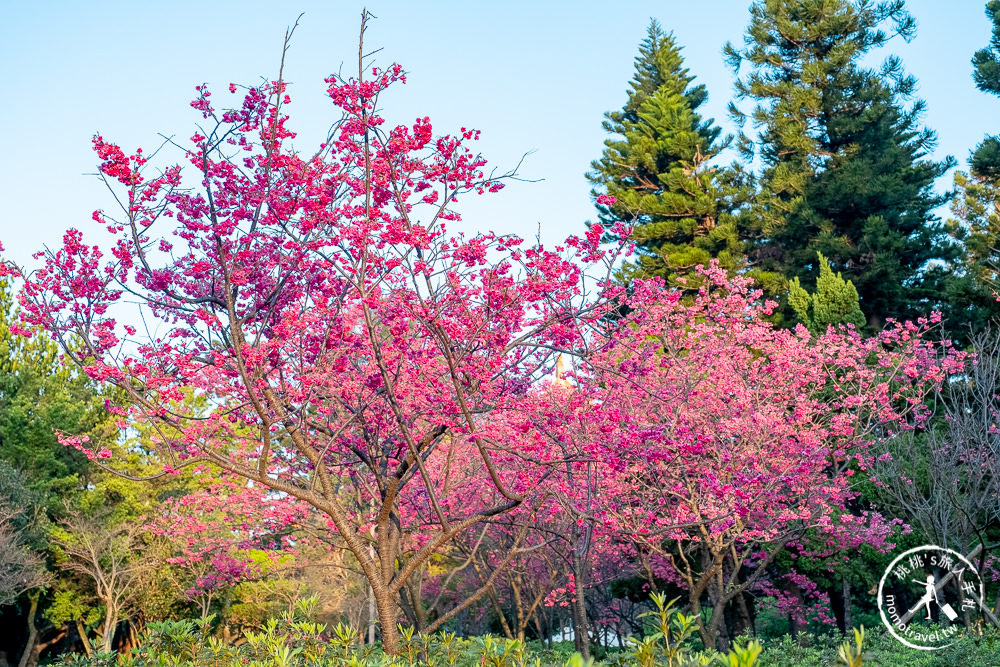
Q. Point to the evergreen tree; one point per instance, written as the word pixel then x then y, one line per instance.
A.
pixel 974 281
pixel 974 286
pixel 40 396
pixel 658 164
pixel 845 168
pixel 985 160
pixel 835 301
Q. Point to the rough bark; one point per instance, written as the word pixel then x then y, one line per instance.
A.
pixel 31 648
pixel 388 613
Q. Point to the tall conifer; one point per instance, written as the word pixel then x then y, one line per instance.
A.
pixel 845 167
pixel 659 164
pixel 975 286
pixel 986 73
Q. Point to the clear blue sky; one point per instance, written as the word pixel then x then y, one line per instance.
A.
pixel 531 75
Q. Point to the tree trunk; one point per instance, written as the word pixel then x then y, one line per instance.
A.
pixel 837 604
pixel 715 634
pixel 416 599
pixel 796 593
pixel 848 616
pixel 372 615
pixel 372 612
pixel 385 603
pixel 581 631
pixel 515 587
pixel 739 619
pixel 82 631
pixel 718 628
pixel 408 611
pixel 694 599
pixel 110 626
pixel 31 647
pixel 747 613
pixel 227 608
pixel 538 627
pixel 206 604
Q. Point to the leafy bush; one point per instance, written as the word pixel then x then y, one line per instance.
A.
pixel 881 649
pixel 297 641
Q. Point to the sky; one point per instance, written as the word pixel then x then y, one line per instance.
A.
pixel 534 77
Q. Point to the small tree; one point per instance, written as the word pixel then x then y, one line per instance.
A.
pixel 106 555
pixel 22 570
pixel 22 528
pixel 835 301
pixel 222 534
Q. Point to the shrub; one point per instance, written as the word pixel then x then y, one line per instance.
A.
pixel 295 640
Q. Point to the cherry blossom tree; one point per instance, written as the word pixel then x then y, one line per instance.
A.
pixel 350 347
pixel 720 437
pixel 225 533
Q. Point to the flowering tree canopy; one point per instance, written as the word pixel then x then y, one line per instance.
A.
pixel 712 437
pixel 350 348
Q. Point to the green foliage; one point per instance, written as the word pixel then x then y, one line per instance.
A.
pixel 835 301
pixel 743 655
pixel 296 641
pixel 854 655
pixel 69 604
pixel 879 648
pixel 975 208
pixel 986 62
pixel 30 521
pixel 845 168
pixel 39 397
pixel 658 164
pixel 668 643
pixel 971 301
pixel 985 161
pixel 22 538
pixel 673 629
pixel 493 652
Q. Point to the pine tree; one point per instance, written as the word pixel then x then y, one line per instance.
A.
pixel 845 168
pixel 985 160
pixel 974 280
pixel 835 301
pixel 41 397
pixel 659 166
pixel 974 285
